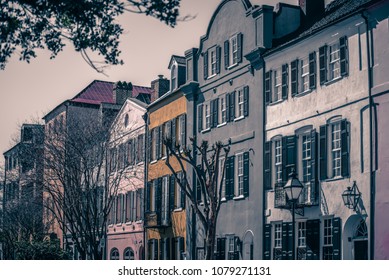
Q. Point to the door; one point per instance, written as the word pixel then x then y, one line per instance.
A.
pixel 360 250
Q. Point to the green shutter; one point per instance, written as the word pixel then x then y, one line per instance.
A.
pixel 200 117
pixel 312 70
pixel 218 54
pixel 285 81
pixel 267 242
pixel 246 177
pixel 337 235
pixel 323 152
pixel 246 101
pixel 323 64
pixel 228 119
pixel 268 165
pixel 268 96
pixel 232 106
pixel 205 69
pixel 226 54
pixel 313 239
pixel 343 52
pixel 240 47
pixel 314 178
pixel 294 77
pixel 345 149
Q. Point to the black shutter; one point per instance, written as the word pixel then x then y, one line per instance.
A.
pixel 158 199
pixel 227 180
pixel 284 173
pixel 218 54
pixel 212 112
pixel 294 76
pixel 246 177
pixel 285 241
pixel 200 117
pixel 312 70
pixel 285 81
pixel 160 136
pixel 240 47
pixel 228 119
pixel 217 253
pixel 156 135
pixel 181 246
pixel 183 138
pixel 215 112
pixel 291 154
pixel 226 54
pixel 183 198
pixel 232 106
pixel 230 177
pixel 155 242
pixel 205 60
pixel 314 178
pixel 171 192
pixel 289 243
pixel 268 160
pixel 149 248
pixel 236 251
pixel 345 150
pixel 323 64
pixel 246 101
pixel 336 241
pixel 313 239
pixel 323 152
pixel 149 145
pixel 173 248
pixel 343 49
pixel 267 242
pixel 268 87
pixel 162 244
pixel 167 247
pixel 222 254
pixel 148 189
pixel 173 133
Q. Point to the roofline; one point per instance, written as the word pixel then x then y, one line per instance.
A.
pixel 89 85
pixel 10 149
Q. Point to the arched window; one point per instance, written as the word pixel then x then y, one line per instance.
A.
pixel 361 230
pixel 129 254
pixel 114 254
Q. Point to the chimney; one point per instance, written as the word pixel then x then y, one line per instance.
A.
pixel 160 87
pixel 121 91
pixel 312 10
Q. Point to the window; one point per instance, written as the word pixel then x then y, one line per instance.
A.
pixel 233 250
pixel 182 131
pixel 222 180
pixel 306 160
pixel 301 240
pixel 128 254
pixel 126 120
pixel 179 194
pixel 276 84
pixel 240 104
pixel 278 160
pixel 333 60
pixel 240 174
pixel 304 64
pixel 303 74
pixel 233 50
pixel 334 149
pixel 277 251
pixel 114 254
pixel 165 215
pixel 211 60
pixel 141 151
pixel 327 240
pixel 223 110
pixel 207 116
pixel 152 249
pixel 173 74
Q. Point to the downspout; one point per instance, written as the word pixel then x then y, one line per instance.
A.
pixel 3 207
pixel 145 173
pixel 264 204
pixel 365 16
pixel 194 182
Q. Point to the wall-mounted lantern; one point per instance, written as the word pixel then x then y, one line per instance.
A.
pixel 351 196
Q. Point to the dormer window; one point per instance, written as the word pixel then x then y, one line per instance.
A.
pixel 174 77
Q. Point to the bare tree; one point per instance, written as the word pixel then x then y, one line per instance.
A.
pixel 82 177
pixel 205 165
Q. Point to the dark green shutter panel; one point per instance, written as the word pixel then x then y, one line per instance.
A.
pixel 212 113
pixel 323 152
pixel 200 117
pixel 171 192
pixel 283 156
pixel 173 133
pixel 158 200
pixel 267 163
pixel 268 87
pixel 149 248
pixel 183 198
pixel 290 242
pixel 216 112
pixel 343 45
pixel 312 70
pixel 181 246
pixel 218 249
pixel 240 47
pixel 246 101
pixel 149 144
pixel 227 176
pixel 285 81
pixel 314 178
pixel 323 64
pixel 198 186
pixel 246 177
pixel 183 132
pixel 157 139
pixel 173 248
pixel 167 248
pixel 291 158
pixel 162 244
pixel 285 241
pixel 232 106
pixel 160 141
pixel 218 54
pixel 337 235
pixel 155 242
pixel 232 175
pixel 148 189
pixel 236 251
pixel 267 242
pixel 226 54
pixel 313 239
pixel 205 60
pixel 228 107
pixel 345 149
pixel 294 77
pixel 222 248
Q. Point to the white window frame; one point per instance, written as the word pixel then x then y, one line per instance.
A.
pixel 165 200
pixel 173 75
pixel 277 237
pixel 223 183
pixel 304 74
pixel 177 192
pixel 334 61
pixel 328 237
pixel 277 91
pixel 336 149
pixel 222 110
pixel 239 185
pixel 207 116
pixel 239 104
pixel 212 62
pixel 302 237
pixel 233 50
pixel 306 166
pixel 278 160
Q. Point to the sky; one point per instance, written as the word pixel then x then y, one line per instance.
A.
pixel 29 91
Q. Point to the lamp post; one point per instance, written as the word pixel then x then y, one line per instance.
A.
pixel 293 188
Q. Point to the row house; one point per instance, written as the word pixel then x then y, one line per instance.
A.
pixel 225 105
pixel 165 203
pixel 22 193
pixel 126 166
pixel 318 123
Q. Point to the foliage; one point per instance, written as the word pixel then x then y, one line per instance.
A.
pixel 28 25
pixel 204 161
pixel 39 250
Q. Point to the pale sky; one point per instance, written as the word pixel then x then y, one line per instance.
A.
pixel 30 90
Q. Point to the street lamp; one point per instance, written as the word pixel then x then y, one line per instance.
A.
pixel 293 188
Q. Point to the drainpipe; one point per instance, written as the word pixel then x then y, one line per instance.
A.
pixel 145 176
pixel 264 193
pixel 194 183
pixel 366 16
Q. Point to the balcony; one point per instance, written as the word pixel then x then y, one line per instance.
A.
pixel 308 196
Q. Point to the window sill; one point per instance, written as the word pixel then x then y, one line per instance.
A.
pixel 232 66
pixel 222 124
pixel 223 199
pixel 206 130
pixel 239 197
pixel 128 223
pixel 337 178
pixel 239 118
pixel 303 93
pixel 178 209
pixel 333 81
pixel 154 161
pixel 211 76
pixel 139 222
pixel 276 102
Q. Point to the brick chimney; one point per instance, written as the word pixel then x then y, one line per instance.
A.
pixel 160 87
pixel 312 10
pixel 122 91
